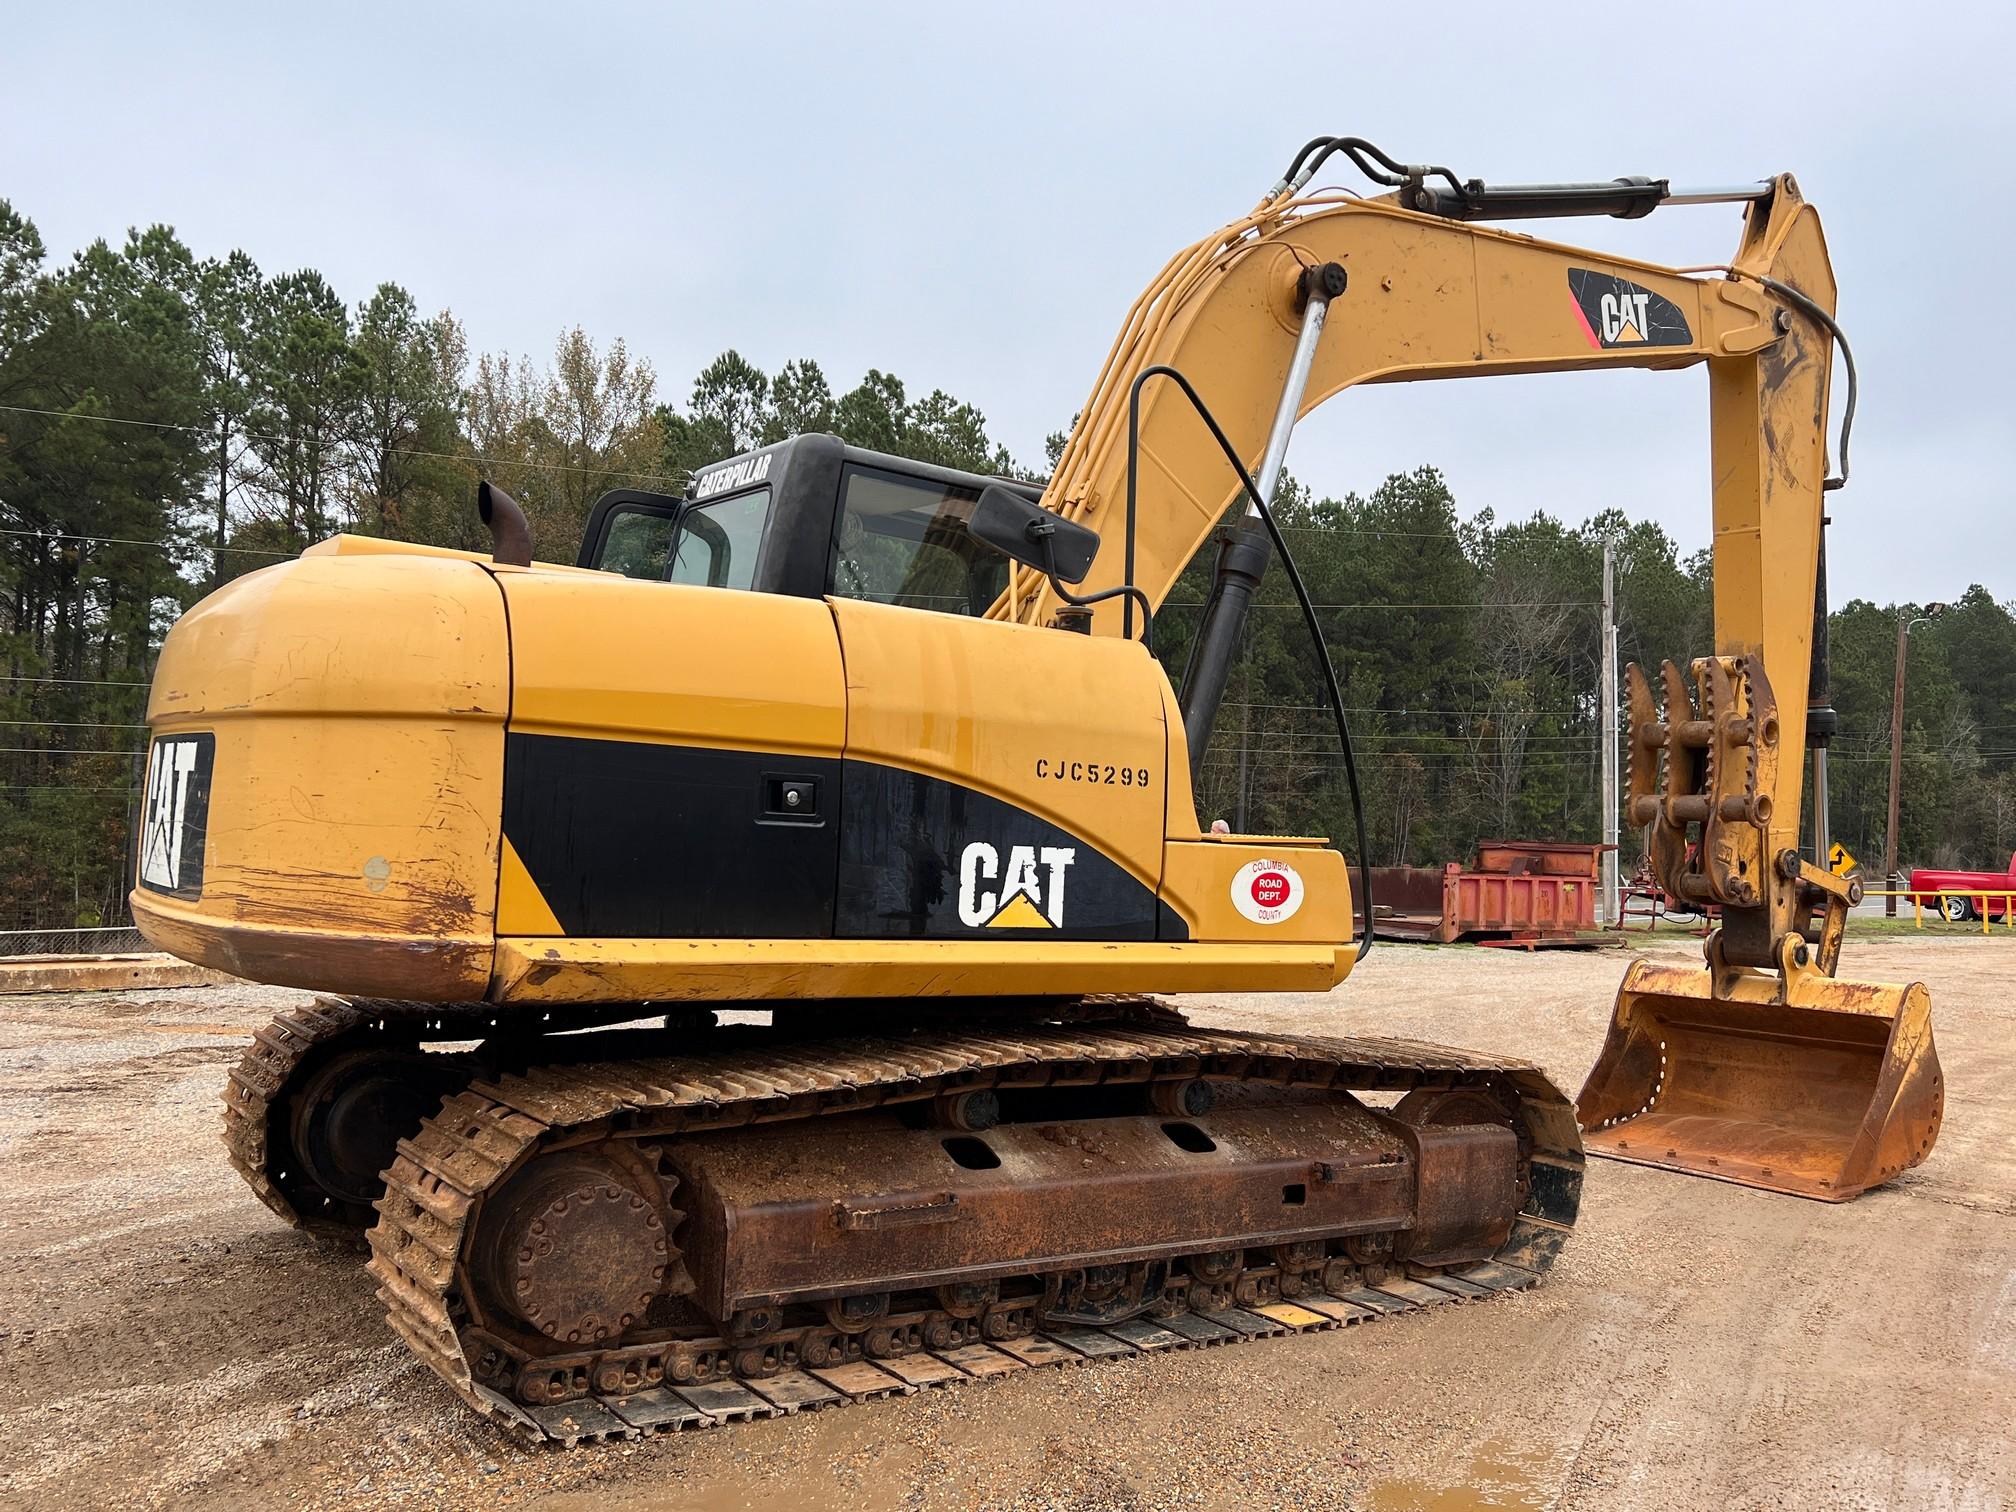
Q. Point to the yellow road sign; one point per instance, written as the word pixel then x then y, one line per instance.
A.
pixel 1840 860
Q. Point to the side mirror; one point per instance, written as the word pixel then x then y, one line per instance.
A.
pixel 1021 528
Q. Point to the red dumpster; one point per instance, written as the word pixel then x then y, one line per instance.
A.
pixel 1518 892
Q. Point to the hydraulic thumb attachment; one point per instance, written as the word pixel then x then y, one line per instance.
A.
pixel 1764 1068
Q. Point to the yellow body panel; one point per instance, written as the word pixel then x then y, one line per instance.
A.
pixel 618 971
pixel 361 701
pixel 1200 879
pixel 359 727
pixel 1017 712
pixel 600 656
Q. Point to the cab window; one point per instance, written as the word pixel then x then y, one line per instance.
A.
pixel 636 543
pixel 904 541
pixel 719 541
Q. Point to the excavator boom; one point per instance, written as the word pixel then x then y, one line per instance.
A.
pixel 1761 1067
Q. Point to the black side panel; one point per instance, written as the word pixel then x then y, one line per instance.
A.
pixel 625 838
pixel 923 857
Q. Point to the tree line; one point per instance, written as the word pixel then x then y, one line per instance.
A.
pixel 169 422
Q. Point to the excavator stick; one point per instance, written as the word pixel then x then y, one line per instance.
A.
pixel 1831 1091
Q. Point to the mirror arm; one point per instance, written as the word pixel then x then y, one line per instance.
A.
pixel 1040 533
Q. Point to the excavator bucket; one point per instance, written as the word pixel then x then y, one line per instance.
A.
pixel 1824 1095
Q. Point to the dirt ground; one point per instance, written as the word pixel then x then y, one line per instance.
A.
pixel 164 1341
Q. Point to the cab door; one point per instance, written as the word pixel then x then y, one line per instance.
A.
pixel 672 760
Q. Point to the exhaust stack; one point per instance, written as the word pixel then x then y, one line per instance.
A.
pixel 510 531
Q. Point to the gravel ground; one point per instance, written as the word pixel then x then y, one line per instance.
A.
pixel 166 1342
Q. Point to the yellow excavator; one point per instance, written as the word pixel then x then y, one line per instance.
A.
pixel 740 941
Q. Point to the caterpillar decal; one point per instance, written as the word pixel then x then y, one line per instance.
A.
pixel 1031 890
pixel 1614 312
pixel 176 818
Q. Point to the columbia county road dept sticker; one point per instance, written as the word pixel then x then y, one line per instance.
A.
pixel 1267 892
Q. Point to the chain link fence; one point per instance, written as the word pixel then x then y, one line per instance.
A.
pixel 110 941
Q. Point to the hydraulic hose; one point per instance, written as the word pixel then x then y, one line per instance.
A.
pixel 1266 514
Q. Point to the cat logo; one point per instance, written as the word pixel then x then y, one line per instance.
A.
pixel 1624 317
pixel 1614 312
pixel 175 814
pixel 1030 891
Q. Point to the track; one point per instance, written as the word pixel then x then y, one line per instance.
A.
pixel 668 1380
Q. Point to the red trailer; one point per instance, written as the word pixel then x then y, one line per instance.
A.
pixel 1520 892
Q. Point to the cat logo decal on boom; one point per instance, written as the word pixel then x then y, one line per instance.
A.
pixel 1031 890
pixel 1614 312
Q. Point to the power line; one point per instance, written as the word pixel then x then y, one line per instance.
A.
pixel 397 451
pixel 1358 530
pixel 1232 703
pixel 70 724
pixel 1227 753
pixel 88 682
pixel 65 535
pixel 1532 604
pixel 64 787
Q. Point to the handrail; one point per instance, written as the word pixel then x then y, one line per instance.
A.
pixel 1941 894
pixel 2007 895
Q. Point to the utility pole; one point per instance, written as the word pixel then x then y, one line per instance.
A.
pixel 1607 910
pixel 1905 623
pixel 1896 769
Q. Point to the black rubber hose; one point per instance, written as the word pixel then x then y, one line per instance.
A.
pixel 1307 147
pixel 1376 165
pixel 1128 591
pixel 1163 370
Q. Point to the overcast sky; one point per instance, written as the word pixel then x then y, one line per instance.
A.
pixel 969 196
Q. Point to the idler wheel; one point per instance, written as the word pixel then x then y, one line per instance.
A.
pixel 968 1299
pixel 349 1116
pixel 574 1250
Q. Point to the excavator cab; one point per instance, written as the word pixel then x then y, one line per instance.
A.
pixel 808 517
